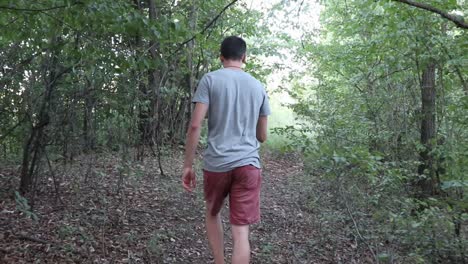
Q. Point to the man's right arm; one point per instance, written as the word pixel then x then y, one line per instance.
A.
pixel 262 128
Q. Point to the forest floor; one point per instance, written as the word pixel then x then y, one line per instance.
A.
pixel 150 219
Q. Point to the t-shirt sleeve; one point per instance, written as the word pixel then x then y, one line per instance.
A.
pixel 265 108
pixel 202 94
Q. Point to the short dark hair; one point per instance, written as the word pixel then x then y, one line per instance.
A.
pixel 233 48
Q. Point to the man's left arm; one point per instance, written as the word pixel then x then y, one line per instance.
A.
pixel 193 136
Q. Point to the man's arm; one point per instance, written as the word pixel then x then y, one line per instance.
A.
pixel 262 128
pixel 193 136
pixel 193 133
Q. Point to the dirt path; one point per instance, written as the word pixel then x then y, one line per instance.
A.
pixel 151 220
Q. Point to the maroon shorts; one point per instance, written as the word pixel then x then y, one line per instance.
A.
pixel 243 186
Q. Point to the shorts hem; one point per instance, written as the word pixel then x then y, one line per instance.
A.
pixel 235 222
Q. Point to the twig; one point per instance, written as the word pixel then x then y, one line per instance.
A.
pixel 139 211
pixel 17 67
pixel 459 21
pixel 300 8
pixel 206 27
pixel 25 237
pixel 62 22
pixel 355 223
pixel 56 184
pixel 37 10
pixel 10 130
pixel 9 23
pixel 32 239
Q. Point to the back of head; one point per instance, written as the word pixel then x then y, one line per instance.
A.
pixel 233 48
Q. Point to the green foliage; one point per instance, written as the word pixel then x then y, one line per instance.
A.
pixel 359 121
pixel 153 245
pixel 282 116
pixel 103 75
pixel 23 206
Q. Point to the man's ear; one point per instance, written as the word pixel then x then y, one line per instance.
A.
pixel 244 58
pixel 221 58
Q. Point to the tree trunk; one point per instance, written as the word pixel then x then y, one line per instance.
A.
pixel 190 78
pixel 153 74
pixel 32 148
pixel 88 130
pixel 143 113
pixel 154 78
pixel 429 184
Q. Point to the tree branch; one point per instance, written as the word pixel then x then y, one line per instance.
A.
pixel 207 26
pixel 37 10
pixel 10 130
pixel 459 21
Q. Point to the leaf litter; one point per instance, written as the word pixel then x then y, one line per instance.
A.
pixel 150 219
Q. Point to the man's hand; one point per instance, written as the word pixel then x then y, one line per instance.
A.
pixel 188 179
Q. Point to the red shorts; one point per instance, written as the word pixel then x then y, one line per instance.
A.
pixel 243 186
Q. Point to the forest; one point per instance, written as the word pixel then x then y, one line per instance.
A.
pixel 366 159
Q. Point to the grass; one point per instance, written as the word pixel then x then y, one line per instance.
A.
pixel 281 116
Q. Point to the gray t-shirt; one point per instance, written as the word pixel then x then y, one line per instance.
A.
pixel 235 101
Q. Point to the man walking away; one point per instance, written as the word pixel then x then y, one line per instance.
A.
pixel 237 107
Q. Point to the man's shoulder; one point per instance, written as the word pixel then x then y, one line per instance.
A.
pixel 254 81
pixel 214 73
pixel 222 74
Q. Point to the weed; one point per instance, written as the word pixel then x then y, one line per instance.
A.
pixel 23 206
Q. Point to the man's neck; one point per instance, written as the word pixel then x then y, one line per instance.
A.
pixel 231 64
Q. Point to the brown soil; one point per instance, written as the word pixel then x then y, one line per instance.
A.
pixel 150 219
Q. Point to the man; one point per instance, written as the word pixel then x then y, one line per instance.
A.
pixel 237 107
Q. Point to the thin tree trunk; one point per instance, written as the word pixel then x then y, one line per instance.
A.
pixel 143 113
pixel 190 76
pixel 34 143
pixel 429 184
pixel 153 74
pixel 154 78
pixel 88 117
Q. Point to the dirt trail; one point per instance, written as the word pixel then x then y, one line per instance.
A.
pixel 151 220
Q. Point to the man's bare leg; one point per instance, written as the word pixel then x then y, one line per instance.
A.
pixel 214 230
pixel 241 251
